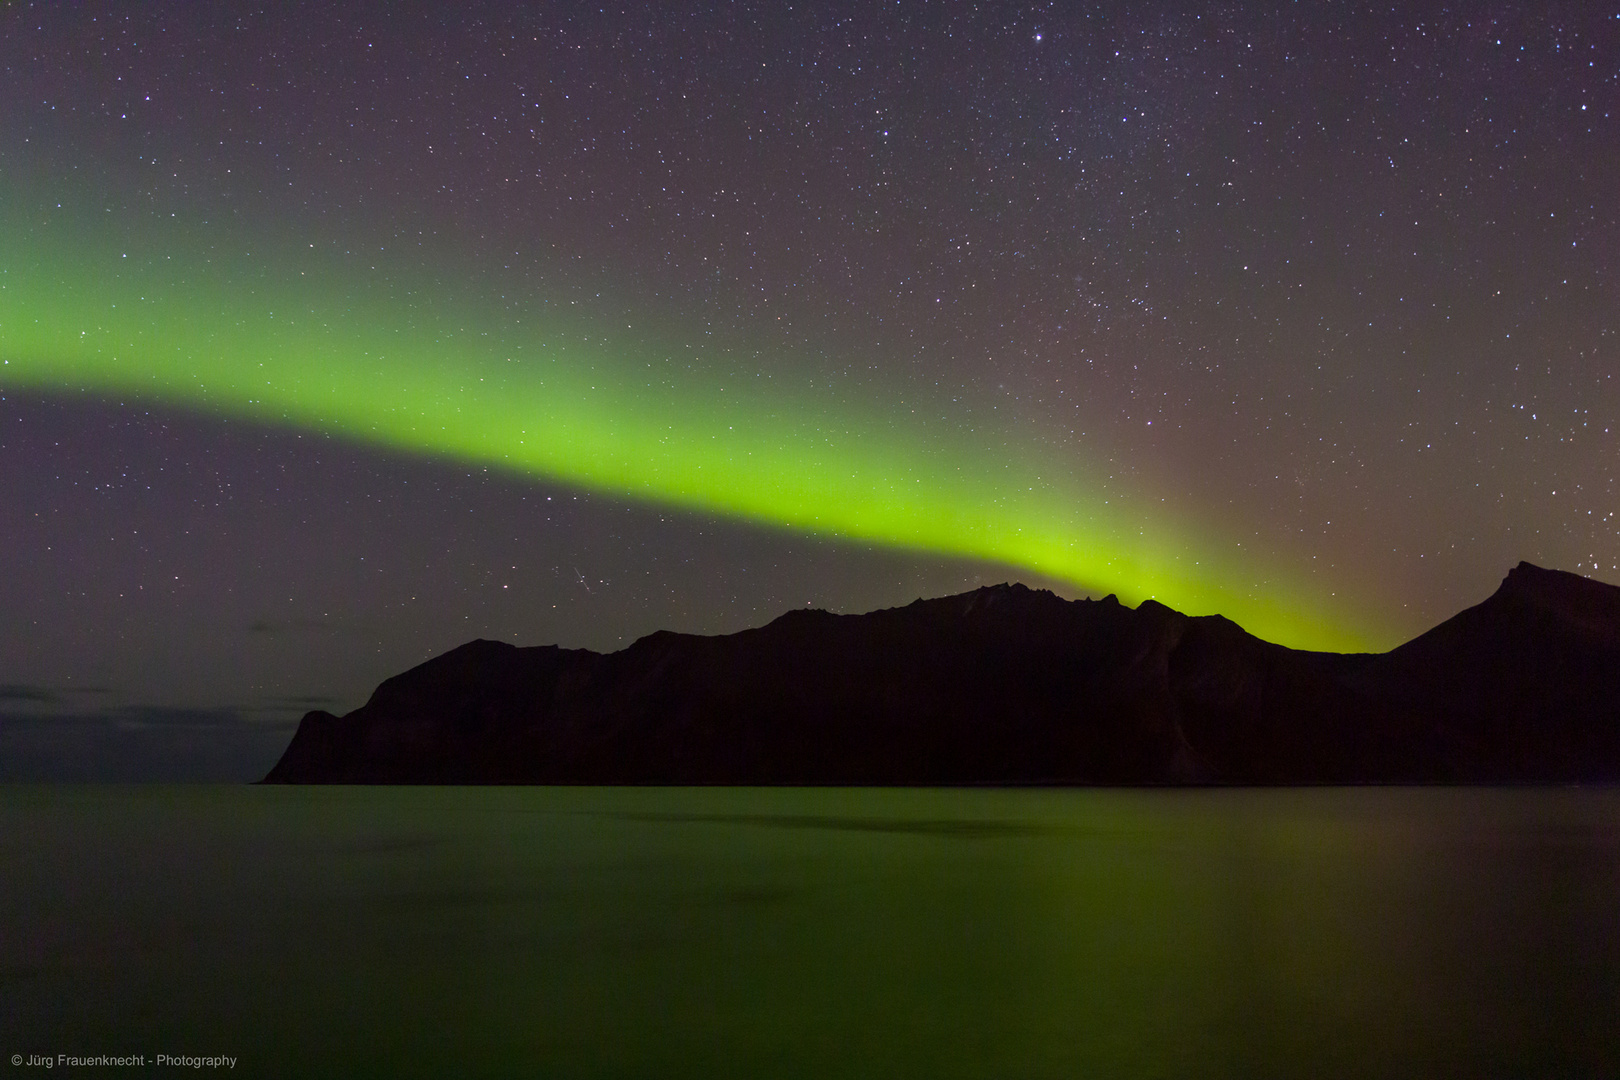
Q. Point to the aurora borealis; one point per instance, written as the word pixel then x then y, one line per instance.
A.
pixel 523 394
pixel 1302 317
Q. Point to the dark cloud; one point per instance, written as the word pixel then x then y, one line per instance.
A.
pixel 303 702
pixel 21 692
pixel 138 743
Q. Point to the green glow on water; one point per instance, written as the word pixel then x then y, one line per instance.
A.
pixel 358 347
pixel 734 932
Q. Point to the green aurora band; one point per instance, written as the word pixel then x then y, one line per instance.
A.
pixel 186 316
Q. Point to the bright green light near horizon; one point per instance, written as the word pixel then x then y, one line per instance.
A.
pixel 290 340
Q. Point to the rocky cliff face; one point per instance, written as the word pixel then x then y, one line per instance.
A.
pixel 1007 685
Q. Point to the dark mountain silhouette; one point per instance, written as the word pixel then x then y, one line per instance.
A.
pixel 1008 685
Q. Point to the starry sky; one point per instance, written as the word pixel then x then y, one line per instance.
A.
pixel 337 334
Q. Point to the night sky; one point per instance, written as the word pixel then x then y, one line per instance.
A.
pixel 336 334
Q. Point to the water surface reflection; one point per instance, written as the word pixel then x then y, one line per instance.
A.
pixel 817 932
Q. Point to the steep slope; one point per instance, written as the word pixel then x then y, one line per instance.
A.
pixel 1522 687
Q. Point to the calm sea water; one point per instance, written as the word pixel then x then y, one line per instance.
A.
pixel 815 933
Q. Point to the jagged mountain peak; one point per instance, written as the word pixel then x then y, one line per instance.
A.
pixel 1008 685
pixel 1579 599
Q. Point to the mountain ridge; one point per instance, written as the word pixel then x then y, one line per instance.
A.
pixel 1008 685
